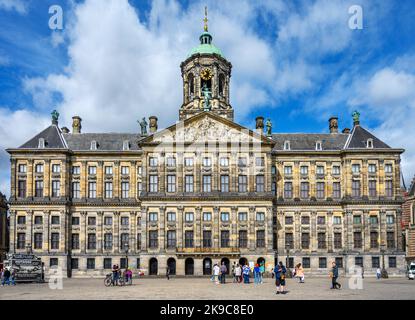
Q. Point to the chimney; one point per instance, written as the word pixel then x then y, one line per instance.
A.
pixel 76 125
pixel 259 126
pixel 153 124
pixel 346 130
pixel 334 125
pixel 65 130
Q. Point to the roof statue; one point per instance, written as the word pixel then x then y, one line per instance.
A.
pixel 143 125
pixel 356 116
pixel 207 97
pixel 55 116
pixel 269 127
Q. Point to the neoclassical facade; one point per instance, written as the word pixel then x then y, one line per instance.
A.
pixel 206 190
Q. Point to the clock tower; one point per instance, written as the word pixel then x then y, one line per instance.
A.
pixel 206 77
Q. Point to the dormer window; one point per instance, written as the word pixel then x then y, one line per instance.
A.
pixel 369 143
pixel 287 146
pixel 93 145
pixel 319 146
pixel 41 143
pixel 126 145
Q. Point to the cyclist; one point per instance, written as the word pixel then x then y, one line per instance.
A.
pixel 115 274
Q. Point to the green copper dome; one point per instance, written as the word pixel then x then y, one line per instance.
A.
pixel 206 46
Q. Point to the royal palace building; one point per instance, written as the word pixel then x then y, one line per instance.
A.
pixel 206 190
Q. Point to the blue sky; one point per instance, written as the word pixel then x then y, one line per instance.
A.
pixel 296 62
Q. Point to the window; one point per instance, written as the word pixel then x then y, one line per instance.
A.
pixel 39 168
pixel 139 188
pixel 76 170
pixel 92 221
pixel 288 170
pixel 38 220
pixel 188 162
pixel 274 188
pixel 108 241
pixel 390 219
pixel 224 239
pixel 224 183
pixel 138 241
pixel 189 217
pixel 375 262
pixel 22 168
pixel 322 263
pixel 224 216
pixel 392 262
pixel 92 190
pixel 336 190
pixel 260 239
pixel 108 190
pixel 374 220
pixel 273 170
pixel 243 216
pixel 260 161
pixel 242 183
pixel 242 162
pixel 372 188
pixel 289 220
pixel 287 146
pixel 92 170
pixel 75 241
pixel 188 239
pixel 21 189
pixel 153 183
pixel 21 241
pixel 305 220
pixel 125 170
pixel 336 170
pixel 338 240
pixel 321 190
pixel 357 219
pixel 358 261
pixel 339 262
pixel 92 241
pixel 153 162
pixel 171 183
pixel 21 220
pixel 288 190
pixel 125 190
pixel 55 220
pixel 153 239
pixel 171 216
pixel 372 168
pixel 224 162
pixel 388 168
pixel 153 216
pixel 171 239
pixel 355 188
pixel 53 262
pixel 94 145
pixel 374 242
pixel 125 221
pixel 76 190
pixel 171 162
pixel 207 216
pixel 126 145
pixel 260 183
pixel 39 188
pixel 369 143
pixel 260 216
pixel 207 183
pixel 321 220
pixel 306 263
pixel 357 240
pixel 108 221
pixel 188 186
pixel 138 263
pixel 75 221
pixel 207 239
pixel 389 188
pixel 243 239
pixel 319 146
pixel 108 170
pixel 56 168
pixel 207 162
pixel 54 241
pixel 356 168
pixel 321 240
pixel 41 143
pixel 124 241
pixel 337 220
pixel 289 240
pixel 38 240
pixel 90 263
pixel 305 240
pixel 74 263
pixel 320 170
pixel 107 263
pixel 304 170
pixel 56 187
pixel 390 240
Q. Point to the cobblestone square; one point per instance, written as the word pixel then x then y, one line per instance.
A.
pixel 203 289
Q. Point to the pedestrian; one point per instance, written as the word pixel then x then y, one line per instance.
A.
pixel 245 271
pixel 216 271
pixel 299 271
pixel 13 277
pixel 223 271
pixel 234 272
pixel 115 275
pixel 128 276
pixel 238 273
pixel 378 273
pixel 363 272
pixel 280 273
pixel 6 277
pixel 168 273
pixel 272 273
pixel 334 274
pixel 257 274
pixel 262 270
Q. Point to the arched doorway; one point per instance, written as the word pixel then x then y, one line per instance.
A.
pixel 227 264
pixel 189 267
pixel 260 261
pixel 207 266
pixel 153 267
pixel 171 263
pixel 243 261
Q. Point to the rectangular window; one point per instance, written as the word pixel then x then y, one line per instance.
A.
pixel 124 245
pixel 389 188
pixel 108 170
pixel 171 183
pixel 355 188
pixel 288 170
pixel 153 179
pixel 243 216
pixel 390 240
pixel 188 162
pixel 339 262
pixel 56 168
pixel 39 168
pixel 108 190
pixel 153 239
pixel 224 216
pixel 38 240
pixel 125 170
pixel 338 243
pixel 321 220
pixel 260 183
pixel 53 262
pixel 107 263
pixel 392 262
pixel 288 190
pixel 374 220
pixel 260 161
pixel 305 240
pixel 92 170
pixel 125 221
pixel 188 239
pixel 76 190
pixel 189 217
pixel 189 180
pixel 289 220
pixel 260 239
pixel 372 168
pixel 336 190
pixel 207 162
pixel 207 183
pixel 357 219
pixel 322 263
pixel 358 261
pixel 224 239
pixel 139 188
pixel 108 221
pixel 356 168
pixel 374 240
pixel 39 188
pixel 337 220
pixel 242 183
pixel 138 241
pixel 320 170
pixel 171 216
pixel 305 220
pixel 260 216
pixel 336 170
pixel 21 240
pixel 125 190
pixel 90 263
pixel 22 168
pixel 76 170
pixel 372 188
pixel 304 170
pixel 321 194
pixel 171 239
pixel 21 220
pixel 74 263
pixel 55 220
pixel 388 168
pixel 321 240
pixel 390 219
pixel 289 240
pixel 243 239
pixel 108 241
pixel 92 221
pixel 306 263
pixel 92 190
pixel 92 241
pixel 21 192
pixel 224 183
pixel 171 162
pixel 153 216
pixel 75 241
pixel 304 190
pixel 153 162
pixel 357 240
pixel 38 220
pixel 207 239
pixel 75 221
pixel 207 216
pixel 56 188
pixel 54 241
pixel 242 162
pixel 224 162
pixel 375 262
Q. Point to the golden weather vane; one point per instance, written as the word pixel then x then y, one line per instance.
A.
pixel 206 20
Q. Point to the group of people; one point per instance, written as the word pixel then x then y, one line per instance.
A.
pixel 117 273
pixel 240 273
pixel 8 277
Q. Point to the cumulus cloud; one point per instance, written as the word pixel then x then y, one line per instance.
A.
pixel 17 5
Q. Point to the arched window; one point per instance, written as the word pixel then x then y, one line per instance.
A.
pixel 221 85
pixel 189 267
pixel 153 267
pixel 191 85
pixel 171 263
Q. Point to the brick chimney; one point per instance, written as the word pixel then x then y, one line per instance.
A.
pixel 334 125
pixel 76 125
pixel 346 130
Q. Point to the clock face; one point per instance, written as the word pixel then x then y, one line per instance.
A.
pixel 206 74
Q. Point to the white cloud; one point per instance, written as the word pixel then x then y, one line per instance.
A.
pixel 18 5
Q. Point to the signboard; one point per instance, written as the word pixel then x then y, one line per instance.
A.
pixel 27 267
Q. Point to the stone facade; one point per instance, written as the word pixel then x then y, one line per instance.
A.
pixel 408 222
pixel 206 190
pixel 4 228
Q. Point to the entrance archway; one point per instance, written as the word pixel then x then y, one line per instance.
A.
pixel 153 267
pixel 189 267
pixel 227 264
pixel 207 266
pixel 171 263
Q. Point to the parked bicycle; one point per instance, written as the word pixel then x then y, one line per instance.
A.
pixel 109 281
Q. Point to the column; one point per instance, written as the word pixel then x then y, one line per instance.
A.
pixel 233 173
pixel 29 227
pixel 68 224
pixel 251 233
pixel 162 229
pixel 398 228
pixel 12 237
pixel 13 179
pixel 179 172
pixel 348 217
pixel 83 233
pixel 268 175
pixel 234 226
pixel 198 231
pixel 116 181
pixel 144 174
pixel 116 232
pixel 133 180
pixel 297 231
pixel 30 182
pixel 64 180
pixel 162 173
pixel 269 230
pixel 144 228
pixel 46 179
pixel 133 232
pixel 251 173
pixel 296 180
pixel 366 221
pixel 179 235
pixel 100 178
pixel 62 235
pixel 313 244
pixel 281 232
pixel 198 175
pixel 382 224
pixel 100 231
pixel 365 188
pixel 216 228
pixel 46 231
pixel 330 231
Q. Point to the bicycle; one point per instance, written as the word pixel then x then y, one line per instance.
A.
pixel 108 281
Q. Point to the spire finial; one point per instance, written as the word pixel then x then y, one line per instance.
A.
pixel 206 20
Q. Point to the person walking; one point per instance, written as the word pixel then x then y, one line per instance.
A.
pixel 257 274
pixel 378 273
pixel 334 275
pixel 234 272
pixel 216 271
pixel 13 277
pixel 223 271
pixel 245 271
pixel 299 271
pixel 238 273
pixel 115 274
pixel 262 270
pixel 168 273
pixel 280 273
pixel 6 277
